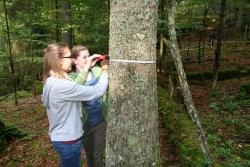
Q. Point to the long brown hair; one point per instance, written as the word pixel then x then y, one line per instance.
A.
pixel 75 52
pixel 51 61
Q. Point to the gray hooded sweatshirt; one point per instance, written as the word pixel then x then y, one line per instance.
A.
pixel 63 101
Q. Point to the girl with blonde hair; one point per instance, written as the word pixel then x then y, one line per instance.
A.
pixel 63 99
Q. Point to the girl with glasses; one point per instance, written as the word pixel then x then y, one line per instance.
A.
pixel 63 97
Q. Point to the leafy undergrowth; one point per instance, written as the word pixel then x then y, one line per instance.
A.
pixel 181 131
pixel 225 112
pixel 225 115
pixel 35 149
pixel 8 133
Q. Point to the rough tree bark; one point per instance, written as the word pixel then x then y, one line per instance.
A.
pixel 183 81
pixel 132 132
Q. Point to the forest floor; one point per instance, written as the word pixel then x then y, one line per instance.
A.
pixel 36 150
pixel 227 128
pixel 224 112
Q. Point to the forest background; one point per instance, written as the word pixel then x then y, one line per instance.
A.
pixel 222 103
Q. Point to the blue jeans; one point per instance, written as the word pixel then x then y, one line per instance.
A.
pixel 70 154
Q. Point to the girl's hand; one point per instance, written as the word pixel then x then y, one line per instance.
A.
pixel 94 60
pixel 105 64
pixel 91 61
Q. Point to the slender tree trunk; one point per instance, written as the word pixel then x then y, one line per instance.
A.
pixel 240 14
pixel 218 47
pixel 57 21
pixel 199 47
pixel 5 44
pixel 203 54
pixel 183 81
pixel 10 53
pixel 163 66
pixel 248 32
pixel 132 132
pixel 66 19
pixel 32 62
pixel 187 58
pixel 171 86
pixel 161 53
pixel 202 31
pixel 162 16
pixel 245 35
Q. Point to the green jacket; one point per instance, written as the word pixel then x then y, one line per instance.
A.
pixel 81 78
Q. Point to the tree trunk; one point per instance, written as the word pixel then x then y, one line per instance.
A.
pixel 183 81
pixel 161 63
pixel 12 70
pixel 218 47
pixel 32 62
pixel 66 20
pixel 240 14
pixel 248 32
pixel 199 46
pixel 57 21
pixel 245 35
pixel 203 54
pixel 132 131
pixel 202 31
pixel 189 41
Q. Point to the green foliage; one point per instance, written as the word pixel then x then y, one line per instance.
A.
pixel 39 87
pixel 231 106
pixel 223 75
pixel 23 94
pixel 20 94
pixel 224 152
pixel 24 71
pixel 91 21
pixel 215 106
pixel 213 139
pixel 243 96
pixel 234 163
pixel 228 128
pixel 226 106
pixel 33 25
pixel 246 152
pixel 8 133
pixel 245 87
pixel 26 84
pixel 188 27
pixel 182 131
pixel 228 103
pixel 221 127
pixel 216 93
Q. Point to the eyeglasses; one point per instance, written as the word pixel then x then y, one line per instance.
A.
pixel 67 57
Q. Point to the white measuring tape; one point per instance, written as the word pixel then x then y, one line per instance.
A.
pixel 132 61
